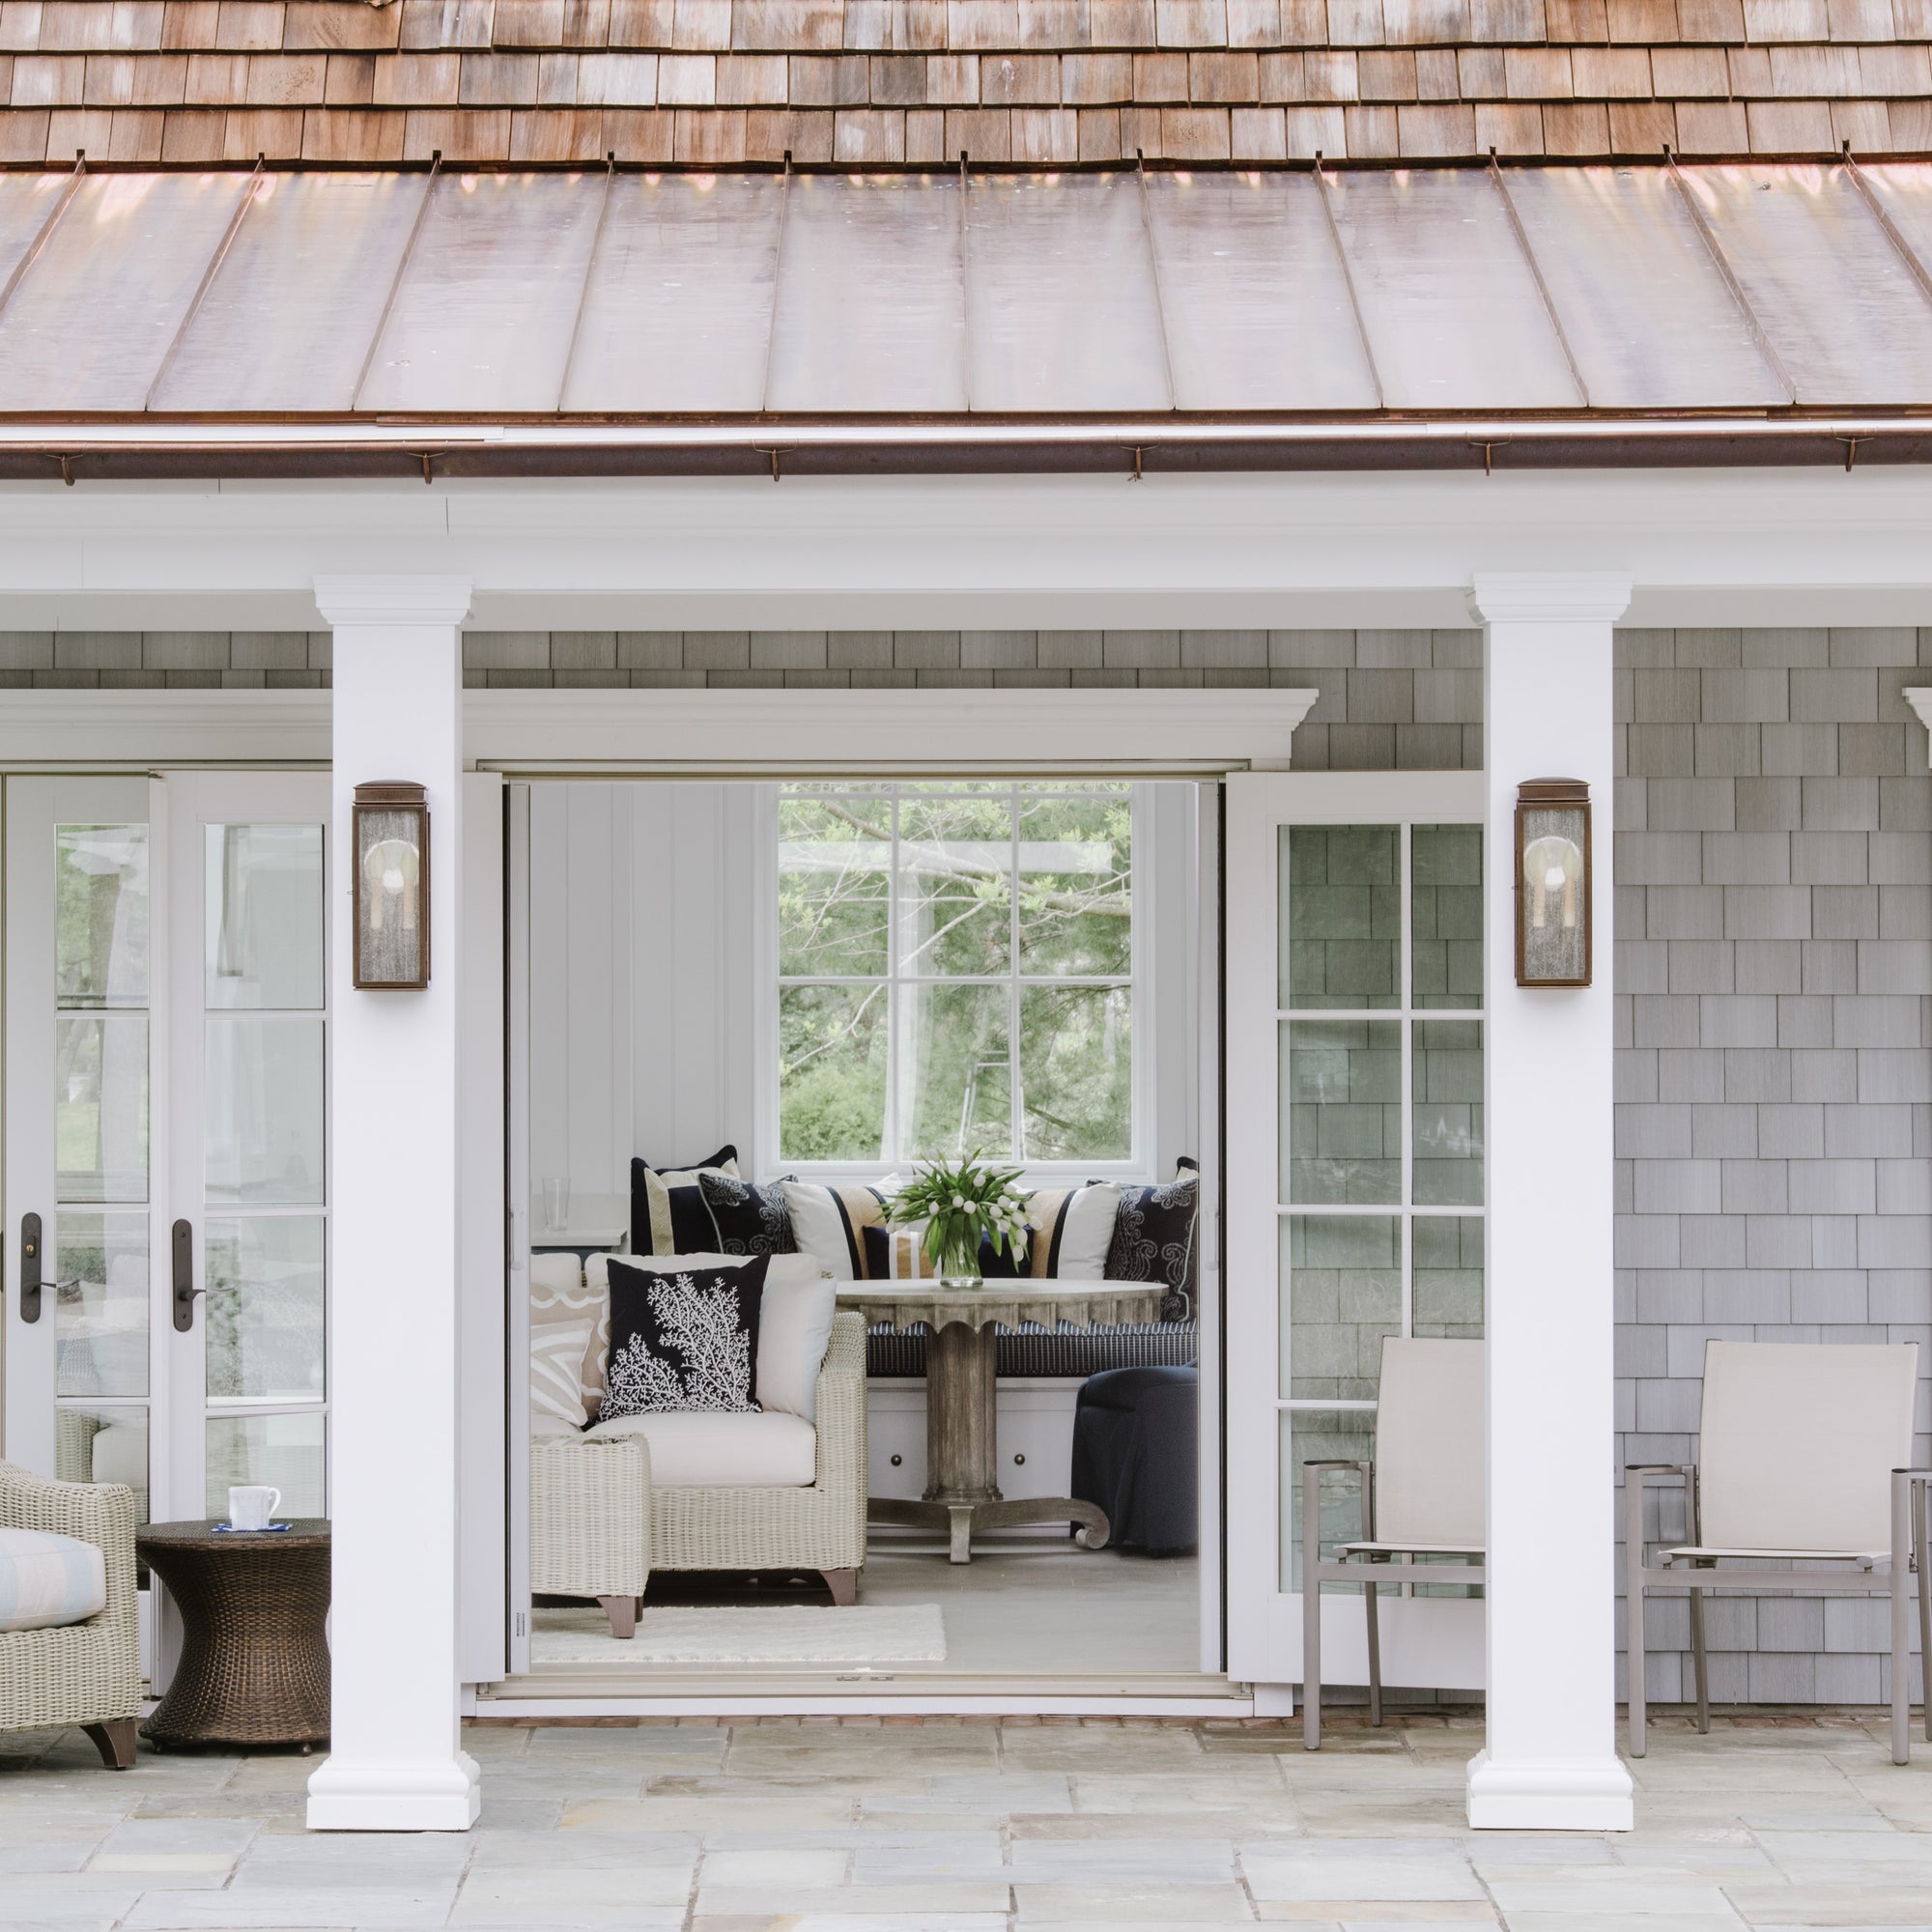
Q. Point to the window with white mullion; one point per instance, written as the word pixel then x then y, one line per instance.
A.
pixel 955 973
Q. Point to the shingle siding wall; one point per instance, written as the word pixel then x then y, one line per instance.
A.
pixel 718 82
pixel 1773 866
pixel 1773 1132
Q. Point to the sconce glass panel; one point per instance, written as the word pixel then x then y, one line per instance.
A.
pixel 1553 911
pixel 393 894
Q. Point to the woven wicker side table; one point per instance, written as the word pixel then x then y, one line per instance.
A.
pixel 254 1663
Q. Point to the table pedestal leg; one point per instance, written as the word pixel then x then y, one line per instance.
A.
pixel 963 1491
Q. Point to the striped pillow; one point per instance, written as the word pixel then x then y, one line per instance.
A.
pixel 47 1581
pixel 668 1211
pixel 829 1223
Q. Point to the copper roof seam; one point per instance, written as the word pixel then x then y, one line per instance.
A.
pixel 207 282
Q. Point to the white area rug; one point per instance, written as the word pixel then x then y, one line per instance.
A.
pixel 777 1633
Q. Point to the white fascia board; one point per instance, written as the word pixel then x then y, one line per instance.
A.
pixel 1762 546
pixel 696 730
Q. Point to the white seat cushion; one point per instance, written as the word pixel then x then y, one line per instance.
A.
pixel 47 1581
pixel 705 1450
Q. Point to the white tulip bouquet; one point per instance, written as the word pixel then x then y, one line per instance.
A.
pixel 959 1202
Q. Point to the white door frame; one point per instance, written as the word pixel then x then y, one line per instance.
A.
pixel 1436 1642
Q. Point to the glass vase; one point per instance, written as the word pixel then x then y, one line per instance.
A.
pixel 957 1263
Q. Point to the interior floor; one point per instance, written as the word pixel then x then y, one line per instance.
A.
pixel 1022 1607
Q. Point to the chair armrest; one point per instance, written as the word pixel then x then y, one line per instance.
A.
pixel 590 1520
pixel 1637 1477
pixel 1310 1510
pixel 1367 1468
pixel 840 1410
pixel 101 1514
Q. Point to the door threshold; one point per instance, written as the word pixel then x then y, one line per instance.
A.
pixel 566 1691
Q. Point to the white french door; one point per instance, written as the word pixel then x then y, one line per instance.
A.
pixel 85 1363
pixel 1354 1163
pixel 245 1148
pixel 166 1152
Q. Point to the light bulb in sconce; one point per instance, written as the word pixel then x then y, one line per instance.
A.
pixel 1552 866
pixel 391 868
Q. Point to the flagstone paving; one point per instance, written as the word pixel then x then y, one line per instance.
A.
pixel 969 1825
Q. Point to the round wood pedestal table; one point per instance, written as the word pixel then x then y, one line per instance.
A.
pixel 962 1455
pixel 254 1662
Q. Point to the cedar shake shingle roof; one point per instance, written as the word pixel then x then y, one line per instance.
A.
pixel 878 82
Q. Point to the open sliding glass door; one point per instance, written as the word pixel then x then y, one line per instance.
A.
pixel 1354 1111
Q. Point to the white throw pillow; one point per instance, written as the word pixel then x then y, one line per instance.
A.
pixel 794 1330
pixel 560 1301
pixel 1088 1232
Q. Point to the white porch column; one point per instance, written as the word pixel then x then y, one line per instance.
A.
pixel 1551 1758
pixel 395 1762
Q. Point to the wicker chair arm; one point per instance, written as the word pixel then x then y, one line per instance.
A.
pixel 591 1516
pixel 839 1464
pixel 97 1513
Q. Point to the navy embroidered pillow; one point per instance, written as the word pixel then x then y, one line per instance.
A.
pixel 1153 1238
pixel 747 1217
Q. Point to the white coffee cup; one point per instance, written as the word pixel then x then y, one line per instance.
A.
pixel 253 1506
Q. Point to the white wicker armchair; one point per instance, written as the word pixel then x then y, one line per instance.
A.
pixel 86 1673
pixel 598 1528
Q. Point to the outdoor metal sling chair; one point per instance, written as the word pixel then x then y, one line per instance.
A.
pixel 1423 1495
pixel 1802 1450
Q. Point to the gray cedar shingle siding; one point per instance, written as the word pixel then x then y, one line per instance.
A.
pixel 1773 860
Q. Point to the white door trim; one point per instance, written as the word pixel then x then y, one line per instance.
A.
pixel 687 733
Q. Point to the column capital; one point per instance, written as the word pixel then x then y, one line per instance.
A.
pixel 1550 596
pixel 1920 697
pixel 392 600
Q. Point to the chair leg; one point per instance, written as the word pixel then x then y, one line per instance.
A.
pixel 1923 1528
pixel 1634 1607
pixel 1700 1663
pixel 114 1738
pixel 623 1614
pixel 1372 1615
pixel 1311 1613
pixel 843 1583
pixel 1903 1539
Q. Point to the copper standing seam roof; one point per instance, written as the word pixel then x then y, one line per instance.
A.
pixel 610 322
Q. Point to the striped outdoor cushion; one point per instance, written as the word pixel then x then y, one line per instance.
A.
pixel 46 1580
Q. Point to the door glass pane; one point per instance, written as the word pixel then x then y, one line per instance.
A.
pixel 1341 935
pixel 285 1450
pixel 100 1311
pixel 1315 1436
pixel 264 913
pixel 1341 1085
pixel 1341 1292
pixel 101 1106
pixel 1076 882
pixel 956 862
pixel 1448 1263
pixel 955 1081
pixel 101 895
pixel 103 1444
pixel 832 1073
pixel 1447 1070
pixel 262 1111
pixel 1445 914
pixel 1076 1072
pixel 265 1307
pixel 834 885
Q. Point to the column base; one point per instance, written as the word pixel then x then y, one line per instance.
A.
pixel 440 1796
pixel 1593 1797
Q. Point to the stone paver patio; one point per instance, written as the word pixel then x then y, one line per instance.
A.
pixel 977 1825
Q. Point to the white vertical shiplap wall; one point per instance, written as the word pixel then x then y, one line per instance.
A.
pixel 648 969
pixel 644 976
